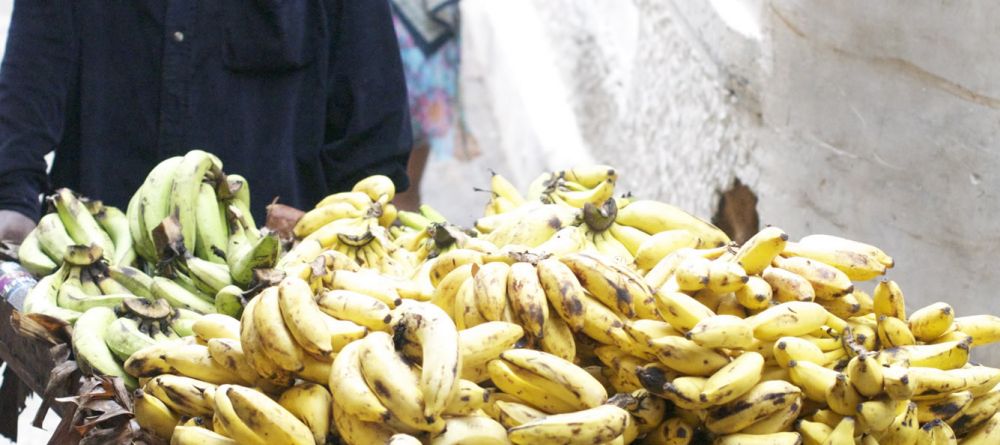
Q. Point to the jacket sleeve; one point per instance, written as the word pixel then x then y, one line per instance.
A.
pixel 368 119
pixel 35 79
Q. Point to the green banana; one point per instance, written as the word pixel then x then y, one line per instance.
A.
pixel 116 224
pixel 90 347
pixel 262 253
pixel 52 237
pixel 154 201
pixel 42 299
pixel 241 199
pixel 229 301
pixel 79 223
pixel 179 297
pixel 213 275
pixel 185 189
pixel 137 228
pixel 135 280
pixel 33 258
pixel 124 337
pixel 212 233
pixel 72 296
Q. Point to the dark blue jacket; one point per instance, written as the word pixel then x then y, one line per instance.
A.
pixel 302 97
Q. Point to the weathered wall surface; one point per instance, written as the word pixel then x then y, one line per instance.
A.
pixel 876 121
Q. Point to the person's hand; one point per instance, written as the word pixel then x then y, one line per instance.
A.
pixel 14 226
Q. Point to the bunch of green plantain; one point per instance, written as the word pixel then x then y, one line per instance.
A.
pixel 188 207
pixel 76 221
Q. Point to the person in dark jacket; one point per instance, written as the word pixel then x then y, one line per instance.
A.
pixel 302 97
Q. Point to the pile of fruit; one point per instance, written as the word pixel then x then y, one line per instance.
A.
pixel 567 315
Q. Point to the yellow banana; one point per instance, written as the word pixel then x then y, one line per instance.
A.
pixel 936 432
pixel 894 332
pixel 659 245
pixel 231 422
pixel 841 397
pixel 558 339
pixel 348 384
pixel 787 285
pixel 755 295
pixel 687 356
pixel 837 243
pixel 814 379
pixel 654 217
pixel 904 429
pixel 725 276
pixel 153 415
pixel 734 379
pixel 680 310
pixel 276 340
pixel 228 353
pixel 354 431
pixel 190 360
pixel 512 414
pixel 378 187
pixel 531 388
pixel 762 400
pixel 813 433
pixel 445 292
pixel 896 382
pixel 888 300
pixel 196 435
pixel 395 385
pixel 359 308
pixel 183 395
pixel 480 344
pixel 787 349
pixel 472 429
pixel 267 417
pixel 490 290
pixel 588 391
pixel 865 374
pixel 595 425
pixel 303 318
pixel 430 327
pixel 827 281
pixel 563 290
pixel 943 408
pixel 775 423
pixel 949 355
pixel 368 283
pixel 793 318
pixel 757 252
pixel 984 329
pixel 602 281
pixel 858 266
pixel 311 404
pixel 722 331
pixel 527 298
pixel 211 326
pixel 673 431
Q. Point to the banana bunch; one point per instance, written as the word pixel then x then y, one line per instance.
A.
pixel 428 235
pixel 188 411
pixel 76 221
pixel 188 207
pixel 345 221
pixel 568 316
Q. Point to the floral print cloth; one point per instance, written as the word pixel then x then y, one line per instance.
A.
pixel 432 87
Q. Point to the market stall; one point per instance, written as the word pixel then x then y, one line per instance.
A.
pixel 571 312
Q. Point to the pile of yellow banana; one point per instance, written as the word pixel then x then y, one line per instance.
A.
pixel 567 315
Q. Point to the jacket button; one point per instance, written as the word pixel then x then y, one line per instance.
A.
pixel 178 36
